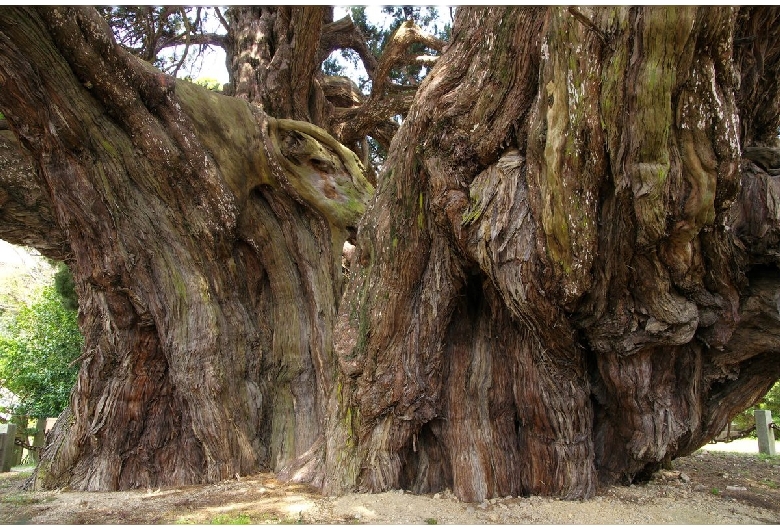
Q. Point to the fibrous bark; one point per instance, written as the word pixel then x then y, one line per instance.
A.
pixel 206 244
pixel 577 290
pixel 25 212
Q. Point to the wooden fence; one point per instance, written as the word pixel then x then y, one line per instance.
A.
pixel 21 441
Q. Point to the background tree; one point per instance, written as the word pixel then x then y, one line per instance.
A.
pixel 405 77
pixel 39 344
pixel 23 272
pixel 168 37
pixel 566 278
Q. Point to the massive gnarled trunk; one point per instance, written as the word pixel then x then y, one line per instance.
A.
pixel 568 277
pixel 206 242
pixel 581 284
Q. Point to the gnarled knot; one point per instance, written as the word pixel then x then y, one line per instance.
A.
pixel 318 170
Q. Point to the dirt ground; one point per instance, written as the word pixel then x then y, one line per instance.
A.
pixel 709 487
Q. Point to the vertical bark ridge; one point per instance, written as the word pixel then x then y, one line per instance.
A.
pixel 607 234
pixel 478 407
pixel 675 285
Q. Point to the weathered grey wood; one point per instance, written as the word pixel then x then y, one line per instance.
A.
pixel 7 436
pixel 766 435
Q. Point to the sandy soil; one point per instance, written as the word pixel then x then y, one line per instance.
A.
pixel 709 487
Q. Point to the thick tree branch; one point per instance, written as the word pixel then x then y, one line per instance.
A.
pixel 343 34
pixel 341 91
pixel 396 52
pixel 373 117
pixel 355 115
pixel 26 217
pixel 766 157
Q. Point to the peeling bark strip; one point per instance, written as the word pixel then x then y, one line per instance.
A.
pixel 568 277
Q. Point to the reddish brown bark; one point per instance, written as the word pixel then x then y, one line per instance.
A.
pixel 583 198
pixel 207 273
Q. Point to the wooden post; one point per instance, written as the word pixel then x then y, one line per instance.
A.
pixel 7 437
pixel 766 436
pixel 38 439
pixel 22 422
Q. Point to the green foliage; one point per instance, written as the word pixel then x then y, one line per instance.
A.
pixel 22 276
pixel 772 399
pixel 241 518
pixel 37 346
pixel 331 66
pixel 209 83
pixel 66 287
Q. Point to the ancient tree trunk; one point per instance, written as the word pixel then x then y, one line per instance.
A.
pixel 206 243
pixel 580 283
pixel 569 274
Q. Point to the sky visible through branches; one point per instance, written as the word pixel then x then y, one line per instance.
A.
pixel 213 65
